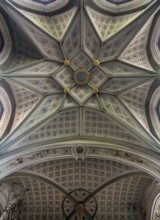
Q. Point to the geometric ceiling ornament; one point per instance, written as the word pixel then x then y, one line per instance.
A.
pixel 93 102
pixel 154 42
pixel 119 69
pixel 64 77
pixel 135 100
pixel 74 101
pixel 61 125
pixel 56 25
pixel 40 198
pixel 123 199
pixel 78 171
pixel 90 40
pixel 72 40
pixel 106 26
pixel 24 52
pixel 44 6
pixel 81 60
pixel 118 111
pixel 96 124
pixel 48 47
pixel 113 46
pixel 5 40
pixel 42 84
pixel 79 209
pixel 81 93
pixel 136 52
pixel 117 6
pixel 25 101
pixel 98 77
pixel 112 106
pixel 69 102
pixel 48 107
pixel 42 69
pixel 118 84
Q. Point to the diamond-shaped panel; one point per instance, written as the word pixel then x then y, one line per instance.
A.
pixel 81 94
pixel 65 77
pixel 81 60
pixel 72 40
pixel 98 77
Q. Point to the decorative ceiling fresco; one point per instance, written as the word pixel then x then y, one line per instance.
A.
pixel 79 108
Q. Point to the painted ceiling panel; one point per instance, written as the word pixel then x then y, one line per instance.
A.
pixel 64 77
pixel 121 203
pixel 136 52
pixel 84 63
pixel 61 125
pixel 90 40
pixel 106 26
pixel 46 108
pixel 24 51
pixel 72 41
pixel 113 106
pixel 118 69
pixel 44 68
pixel 81 84
pixel 55 26
pixel 93 102
pixel 47 45
pixel 135 100
pixel 69 102
pixel 76 172
pixel 42 84
pixel 48 197
pixel 25 101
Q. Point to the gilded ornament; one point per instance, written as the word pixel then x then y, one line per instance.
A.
pixel 95 90
pixel 66 62
pixel 66 90
pixel 96 62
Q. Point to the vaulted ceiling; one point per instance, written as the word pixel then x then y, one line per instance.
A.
pixel 80 105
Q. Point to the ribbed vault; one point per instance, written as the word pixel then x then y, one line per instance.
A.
pixel 80 106
pixel 54 186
